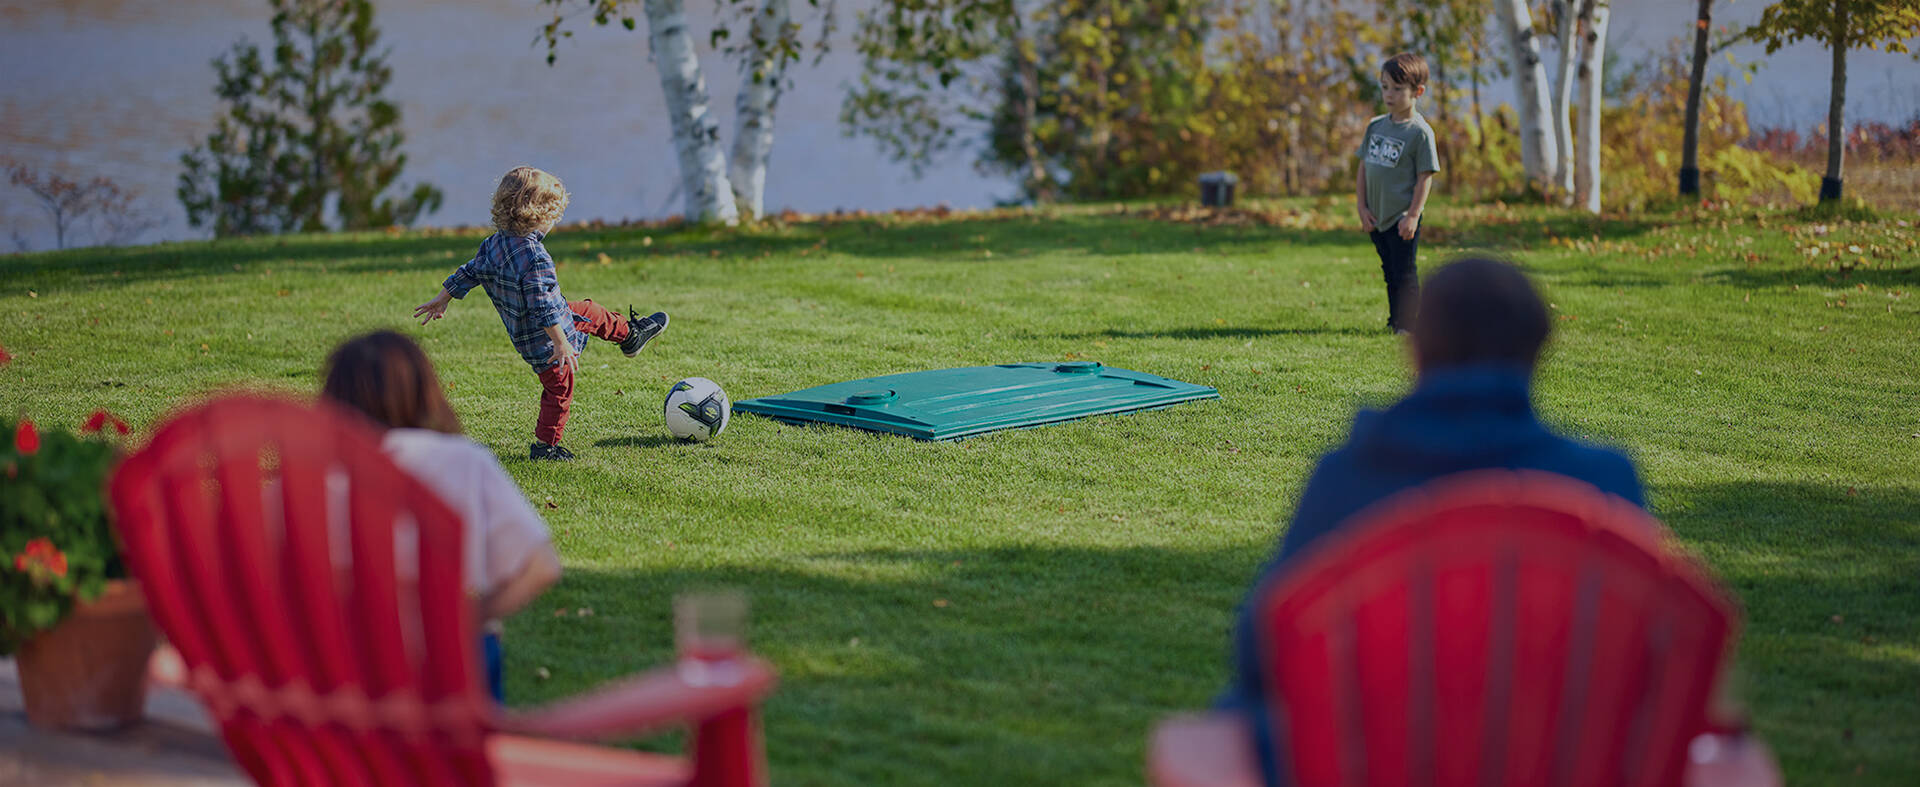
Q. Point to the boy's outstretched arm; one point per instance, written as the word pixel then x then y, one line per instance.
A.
pixel 433 309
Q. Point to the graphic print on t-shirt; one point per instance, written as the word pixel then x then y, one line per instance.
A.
pixel 1384 150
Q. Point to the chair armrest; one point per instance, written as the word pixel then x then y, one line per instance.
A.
pixel 166 668
pixel 642 703
pixel 1202 750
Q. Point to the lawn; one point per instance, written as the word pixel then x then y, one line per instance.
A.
pixel 1019 608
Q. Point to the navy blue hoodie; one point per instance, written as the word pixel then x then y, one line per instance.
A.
pixel 1454 420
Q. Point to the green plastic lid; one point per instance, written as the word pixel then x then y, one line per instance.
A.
pixel 943 404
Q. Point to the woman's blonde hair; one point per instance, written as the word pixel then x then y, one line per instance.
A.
pixel 528 200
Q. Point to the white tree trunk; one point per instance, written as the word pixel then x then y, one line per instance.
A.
pixel 696 135
pixel 1537 152
pixel 1593 58
pixel 1570 13
pixel 759 92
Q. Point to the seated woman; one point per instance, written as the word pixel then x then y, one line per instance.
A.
pixel 509 553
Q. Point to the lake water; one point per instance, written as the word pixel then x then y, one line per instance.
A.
pixel 122 87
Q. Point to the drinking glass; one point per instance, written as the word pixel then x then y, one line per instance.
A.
pixel 710 634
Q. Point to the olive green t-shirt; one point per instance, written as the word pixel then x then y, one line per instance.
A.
pixel 1394 153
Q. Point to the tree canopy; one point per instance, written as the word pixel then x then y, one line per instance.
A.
pixel 307 135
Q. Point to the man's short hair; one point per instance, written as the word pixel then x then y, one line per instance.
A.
pixel 1479 311
pixel 1407 69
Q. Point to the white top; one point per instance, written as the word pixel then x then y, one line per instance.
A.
pixel 502 528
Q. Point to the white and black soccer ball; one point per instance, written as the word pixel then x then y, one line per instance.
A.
pixel 697 410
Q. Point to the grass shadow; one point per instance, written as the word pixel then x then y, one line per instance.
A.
pixel 1024 664
pixel 1826 575
pixel 1758 278
pixel 108 267
pixel 1221 332
pixel 642 441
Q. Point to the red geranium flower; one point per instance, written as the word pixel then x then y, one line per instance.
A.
pixel 100 419
pixel 42 561
pixel 26 438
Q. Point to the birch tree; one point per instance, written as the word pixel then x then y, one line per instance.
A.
pixel 1538 155
pixel 1593 48
pixel 717 187
pixel 764 72
pixel 1839 25
pixel 1567 14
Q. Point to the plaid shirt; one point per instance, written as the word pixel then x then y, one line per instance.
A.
pixel 518 275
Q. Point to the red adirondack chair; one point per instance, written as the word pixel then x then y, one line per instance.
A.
pixel 236 519
pixel 1497 627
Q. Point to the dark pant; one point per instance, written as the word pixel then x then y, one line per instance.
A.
pixel 491 657
pixel 556 383
pixel 1402 275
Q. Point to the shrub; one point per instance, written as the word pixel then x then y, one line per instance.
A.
pixel 55 545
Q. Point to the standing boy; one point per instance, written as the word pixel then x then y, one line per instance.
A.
pixel 548 330
pixel 1398 160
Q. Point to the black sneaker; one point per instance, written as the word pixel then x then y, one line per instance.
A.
pixel 642 330
pixel 551 453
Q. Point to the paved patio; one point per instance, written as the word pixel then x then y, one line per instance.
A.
pixel 176 745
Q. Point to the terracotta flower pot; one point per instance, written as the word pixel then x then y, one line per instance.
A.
pixel 90 671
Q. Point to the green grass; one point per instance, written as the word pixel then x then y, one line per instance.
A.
pixel 1019 608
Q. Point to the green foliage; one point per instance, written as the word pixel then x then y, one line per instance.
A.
pixel 1098 100
pixel 1485 160
pixel 1646 124
pixel 55 544
pixel 1288 95
pixel 1840 26
pixel 1847 24
pixel 1102 100
pixel 779 51
pixel 1116 116
pixel 931 79
pixel 1641 133
pixel 306 136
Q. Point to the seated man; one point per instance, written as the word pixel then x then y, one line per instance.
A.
pixel 1476 339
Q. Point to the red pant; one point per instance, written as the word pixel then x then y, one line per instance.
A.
pixel 593 320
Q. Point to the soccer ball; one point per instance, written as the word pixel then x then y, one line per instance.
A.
pixel 697 410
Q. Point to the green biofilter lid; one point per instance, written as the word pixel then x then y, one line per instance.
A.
pixel 943 404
